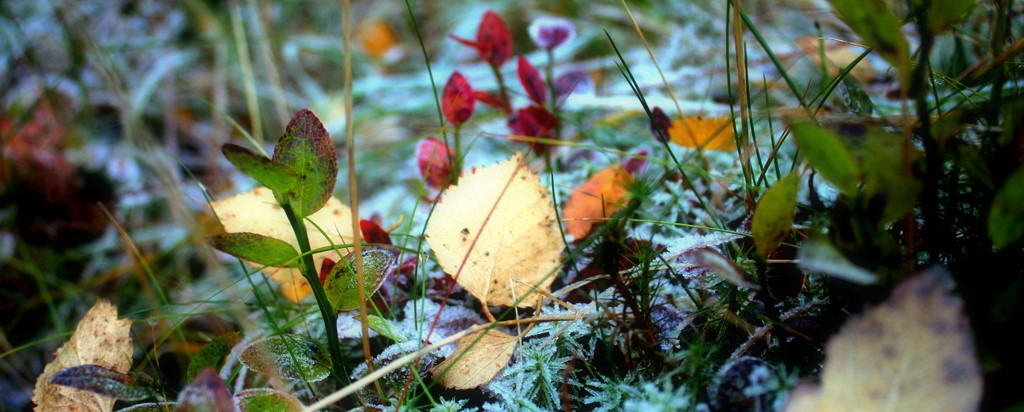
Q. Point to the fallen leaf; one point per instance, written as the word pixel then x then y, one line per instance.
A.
pixel 476 360
pixel 100 339
pixel 913 352
pixel 707 133
pixel 837 56
pixel 598 198
pixel 257 212
pixel 496 230
pixel 378 39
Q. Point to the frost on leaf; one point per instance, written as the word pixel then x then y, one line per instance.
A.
pixel 595 200
pixel 208 393
pixel 476 360
pixel 266 399
pixel 292 357
pixel 258 212
pixel 913 352
pixel 100 339
pixel 495 233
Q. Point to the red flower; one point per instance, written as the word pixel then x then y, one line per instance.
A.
pixel 532 82
pixel 458 100
pixel 373 233
pixel 534 121
pixel 493 40
pixel 433 159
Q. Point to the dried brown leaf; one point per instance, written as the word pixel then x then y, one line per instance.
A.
pixel 100 339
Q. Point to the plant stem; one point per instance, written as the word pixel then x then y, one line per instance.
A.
pixel 326 311
pixel 549 75
pixel 501 89
pixel 457 166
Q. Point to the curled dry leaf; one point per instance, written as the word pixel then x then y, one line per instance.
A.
pixel 258 212
pixel 598 198
pixel 100 339
pixel 496 230
pixel 477 360
pixel 913 352
pixel 708 133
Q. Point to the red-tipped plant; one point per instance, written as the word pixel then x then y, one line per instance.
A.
pixel 537 122
pixel 550 32
pixel 373 233
pixel 494 43
pixel 529 76
pixel 434 160
pixel 457 101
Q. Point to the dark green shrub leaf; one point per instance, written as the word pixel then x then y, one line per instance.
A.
pixel 266 400
pixel 817 256
pixel 102 381
pixel 291 357
pixel 341 285
pixel 150 407
pixel 207 393
pixel 1006 219
pixel 274 176
pixel 827 155
pixel 211 354
pixel 943 14
pixel 256 248
pixel 882 162
pixel 876 24
pixel 773 217
pixel 307 150
pixel 717 263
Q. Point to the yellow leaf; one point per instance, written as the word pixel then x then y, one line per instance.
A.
pixel 713 133
pixel 100 339
pixel 476 360
pixel 598 198
pixel 258 212
pixel 496 234
pixel 377 38
pixel 914 352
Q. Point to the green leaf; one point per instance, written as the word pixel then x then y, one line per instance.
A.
pixel 773 217
pixel 943 14
pixel 211 354
pixel 879 27
pixel 293 357
pixel 882 158
pixel 1006 219
pixel 207 393
pixel 257 248
pixel 827 155
pixel 818 256
pixel 103 381
pixel 269 173
pixel 307 150
pixel 384 327
pixel 266 399
pixel 341 285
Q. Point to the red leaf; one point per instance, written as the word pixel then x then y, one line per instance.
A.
pixel 325 269
pixel 372 233
pixel 491 100
pixel 457 101
pixel 495 39
pixel 550 32
pixel 534 121
pixel 660 123
pixel 434 160
pixel 532 82
pixel 634 164
pixel 574 81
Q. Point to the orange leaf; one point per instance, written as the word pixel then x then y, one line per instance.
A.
pixel 476 360
pixel 599 198
pixel 378 38
pixel 713 133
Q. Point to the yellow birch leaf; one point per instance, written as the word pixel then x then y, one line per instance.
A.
pixel 258 212
pixel 496 234
pixel 711 133
pixel 100 339
pixel 914 352
pixel 598 198
pixel 476 360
